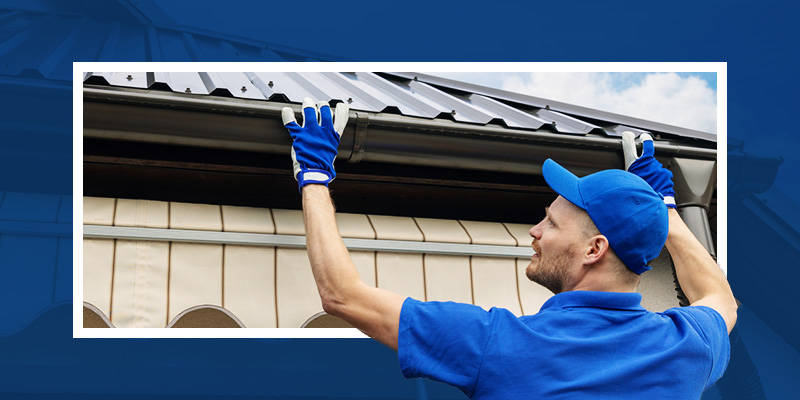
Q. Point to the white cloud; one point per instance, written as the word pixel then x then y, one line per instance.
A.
pixel 668 98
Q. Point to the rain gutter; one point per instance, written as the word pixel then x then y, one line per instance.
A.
pixel 230 123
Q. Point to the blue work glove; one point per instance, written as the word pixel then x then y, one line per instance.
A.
pixel 315 142
pixel 647 167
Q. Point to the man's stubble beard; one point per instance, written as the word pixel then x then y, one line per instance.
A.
pixel 551 272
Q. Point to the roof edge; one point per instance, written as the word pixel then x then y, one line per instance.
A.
pixel 557 106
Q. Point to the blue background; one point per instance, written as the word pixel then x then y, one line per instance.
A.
pixel 40 39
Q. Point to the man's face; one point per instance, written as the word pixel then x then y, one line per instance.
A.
pixel 556 241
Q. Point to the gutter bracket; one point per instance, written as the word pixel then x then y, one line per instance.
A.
pixel 360 140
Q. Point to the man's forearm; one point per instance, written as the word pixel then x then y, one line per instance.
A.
pixel 333 269
pixel 697 272
pixel 374 311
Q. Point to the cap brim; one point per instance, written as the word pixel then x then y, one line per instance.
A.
pixel 563 182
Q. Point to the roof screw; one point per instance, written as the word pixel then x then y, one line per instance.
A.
pixel 554 123
pixel 244 88
pixel 188 90
pixel 270 84
pixel 416 78
pixel 349 99
pixel 453 112
pixel 130 77
pixel 547 107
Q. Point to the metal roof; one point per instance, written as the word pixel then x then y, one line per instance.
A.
pixel 122 30
pixel 408 94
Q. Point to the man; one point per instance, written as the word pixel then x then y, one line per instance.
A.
pixel 592 339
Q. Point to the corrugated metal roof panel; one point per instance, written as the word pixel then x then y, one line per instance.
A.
pixel 372 92
pixel 513 117
pixel 564 123
pixel 236 84
pixel 186 82
pixel 449 104
pixel 396 95
pixel 571 109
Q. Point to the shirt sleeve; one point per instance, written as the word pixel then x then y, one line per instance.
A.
pixel 444 341
pixel 715 333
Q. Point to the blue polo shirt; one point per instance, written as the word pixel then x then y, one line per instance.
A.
pixel 593 345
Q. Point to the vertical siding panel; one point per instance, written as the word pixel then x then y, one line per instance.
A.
pixel 204 217
pixel 288 222
pixel 401 273
pixel 195 276
pixel 354 226
pixel 298 298
pixel 365 264
pixel 98 211
pixel 250 284
pixel 98 258
pixel 488 233
pixel 247 219
pixel 447 278
pixel 442 230
pixel 521 234
pixel 249 272
pixel 395 228
pixel 140 284
pixel 494 283
pixel 141 213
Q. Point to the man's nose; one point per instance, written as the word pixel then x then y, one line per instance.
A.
pixel 536 231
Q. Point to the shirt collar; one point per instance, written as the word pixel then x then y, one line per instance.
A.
pixel 582 298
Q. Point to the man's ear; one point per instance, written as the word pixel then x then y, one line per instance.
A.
pixel 597 248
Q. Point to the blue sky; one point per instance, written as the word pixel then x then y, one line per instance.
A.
pixel 685 99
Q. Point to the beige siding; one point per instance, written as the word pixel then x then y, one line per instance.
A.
pixel 140 284
pixel 195 276
pixel 448 278
pixel 365 264
pixel 98 211
pixel 488 233
pixel 142 213
pixel 521 233
pixel 146 284
pixel 298 299
pixel 442 230
pixel 288 222
pixel 247 219
pixel 494 283
pixel 401 273
pixel 98 264
pixel 395 228
pixel 250 285
pixel 203 217
pixel 355 226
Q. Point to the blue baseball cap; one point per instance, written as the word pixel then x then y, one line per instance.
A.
pixel 625 209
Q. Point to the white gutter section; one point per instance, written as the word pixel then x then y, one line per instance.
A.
pixel 271 240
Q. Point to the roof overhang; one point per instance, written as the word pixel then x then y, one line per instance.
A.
pixel 229 123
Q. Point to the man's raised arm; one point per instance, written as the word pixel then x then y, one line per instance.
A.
pixel 701 279
pixel 376 312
